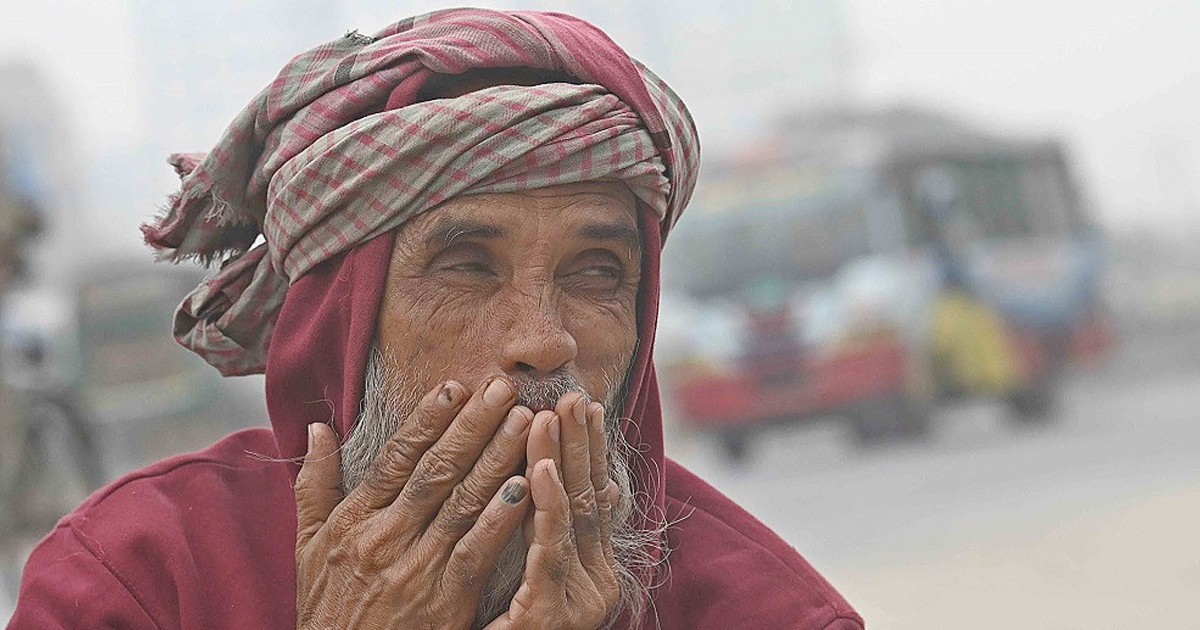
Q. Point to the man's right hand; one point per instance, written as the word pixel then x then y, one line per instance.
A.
pixel 412 546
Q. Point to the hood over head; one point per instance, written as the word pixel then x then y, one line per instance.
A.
pixel 301 196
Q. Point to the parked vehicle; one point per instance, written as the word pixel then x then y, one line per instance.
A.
pixel 870 265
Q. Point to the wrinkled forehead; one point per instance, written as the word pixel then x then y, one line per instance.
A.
pixel 597 210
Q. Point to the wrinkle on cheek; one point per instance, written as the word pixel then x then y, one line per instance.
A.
pixel 424 315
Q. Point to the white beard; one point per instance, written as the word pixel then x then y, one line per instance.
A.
pixel 390 396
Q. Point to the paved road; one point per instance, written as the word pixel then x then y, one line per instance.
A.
pixel 1090 523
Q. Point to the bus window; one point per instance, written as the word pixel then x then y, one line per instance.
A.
pixel 1043 188
pixel 791 235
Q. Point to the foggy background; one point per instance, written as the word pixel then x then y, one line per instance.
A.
pixel 1087 522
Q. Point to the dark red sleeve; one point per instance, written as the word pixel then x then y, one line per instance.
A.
pixel 727 570
pixel 66 586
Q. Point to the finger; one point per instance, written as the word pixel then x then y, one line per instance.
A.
pixel 475 554
pixel 501 458
pixel 445 464
pixel 608 501
pixel 544 441
pixel 549 589
pixel 548 562
pixel 603 486
pixel 318 486
pixel 395 463
pixel 577 475
pixel 598 441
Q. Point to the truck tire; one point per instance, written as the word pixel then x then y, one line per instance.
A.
pixel 1037 404
pixel 893 418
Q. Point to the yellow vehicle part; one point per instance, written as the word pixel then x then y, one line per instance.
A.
pixel 972 345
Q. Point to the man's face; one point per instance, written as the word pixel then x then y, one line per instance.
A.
pixel 535 284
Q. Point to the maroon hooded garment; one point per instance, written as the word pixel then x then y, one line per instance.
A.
pixel 206 540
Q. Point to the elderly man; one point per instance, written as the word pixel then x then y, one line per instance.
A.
pixel 453 302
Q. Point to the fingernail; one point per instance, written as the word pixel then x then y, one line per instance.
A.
pixel 497 393
pixel 580 412
pixel 552 469
pixel 516 422
pixel 312 436
pixel 449 394
pixel 597 411
pixel 513 493
pixel 552 426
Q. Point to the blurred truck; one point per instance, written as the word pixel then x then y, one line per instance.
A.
pixel 871 265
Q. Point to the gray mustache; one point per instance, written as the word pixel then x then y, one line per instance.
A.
pixel 539 394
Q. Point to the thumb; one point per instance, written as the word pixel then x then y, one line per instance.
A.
pixel 318 486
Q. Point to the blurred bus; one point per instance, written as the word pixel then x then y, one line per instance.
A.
pixel 870 265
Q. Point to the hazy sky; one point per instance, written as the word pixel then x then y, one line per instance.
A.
pixel 1119 80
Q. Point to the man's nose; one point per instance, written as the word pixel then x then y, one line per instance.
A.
pixel 538 342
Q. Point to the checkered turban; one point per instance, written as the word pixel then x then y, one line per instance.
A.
pixel 340 149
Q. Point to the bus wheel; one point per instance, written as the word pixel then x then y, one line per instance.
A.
pixel 1037 404
pixel 735 445
pixel 892 418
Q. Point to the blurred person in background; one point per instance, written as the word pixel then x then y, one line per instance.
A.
pixel 18 223
pixel 441 246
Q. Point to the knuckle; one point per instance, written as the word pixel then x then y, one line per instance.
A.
pixel 487 526
pixel 341 525
pixel 460 511
pixel 397 455
pixel 465 561
pixel 303 481
pixel 468 499
pixel 604 508
pixel 585 510
pixel 564 545
pixel 304 500
pixel 433 471
pixel 498 460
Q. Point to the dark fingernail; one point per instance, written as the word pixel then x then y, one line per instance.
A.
pixel 513 493
pixel 450 394
pixel 497 393
pixel 516 422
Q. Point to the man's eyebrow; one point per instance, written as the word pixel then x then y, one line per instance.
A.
pixel 623 232
pixel 447 230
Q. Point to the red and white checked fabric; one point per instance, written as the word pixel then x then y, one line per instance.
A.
pixel 337 150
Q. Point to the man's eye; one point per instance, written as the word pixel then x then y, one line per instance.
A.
pixel 601 271
pixel 600 274
pixel 469 267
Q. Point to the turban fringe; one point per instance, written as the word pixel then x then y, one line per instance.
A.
pixel 335 152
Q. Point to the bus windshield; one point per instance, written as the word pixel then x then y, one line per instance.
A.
pixel 779 224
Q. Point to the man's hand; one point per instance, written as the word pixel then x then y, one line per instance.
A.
pixel 570 576
pixel 412 546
